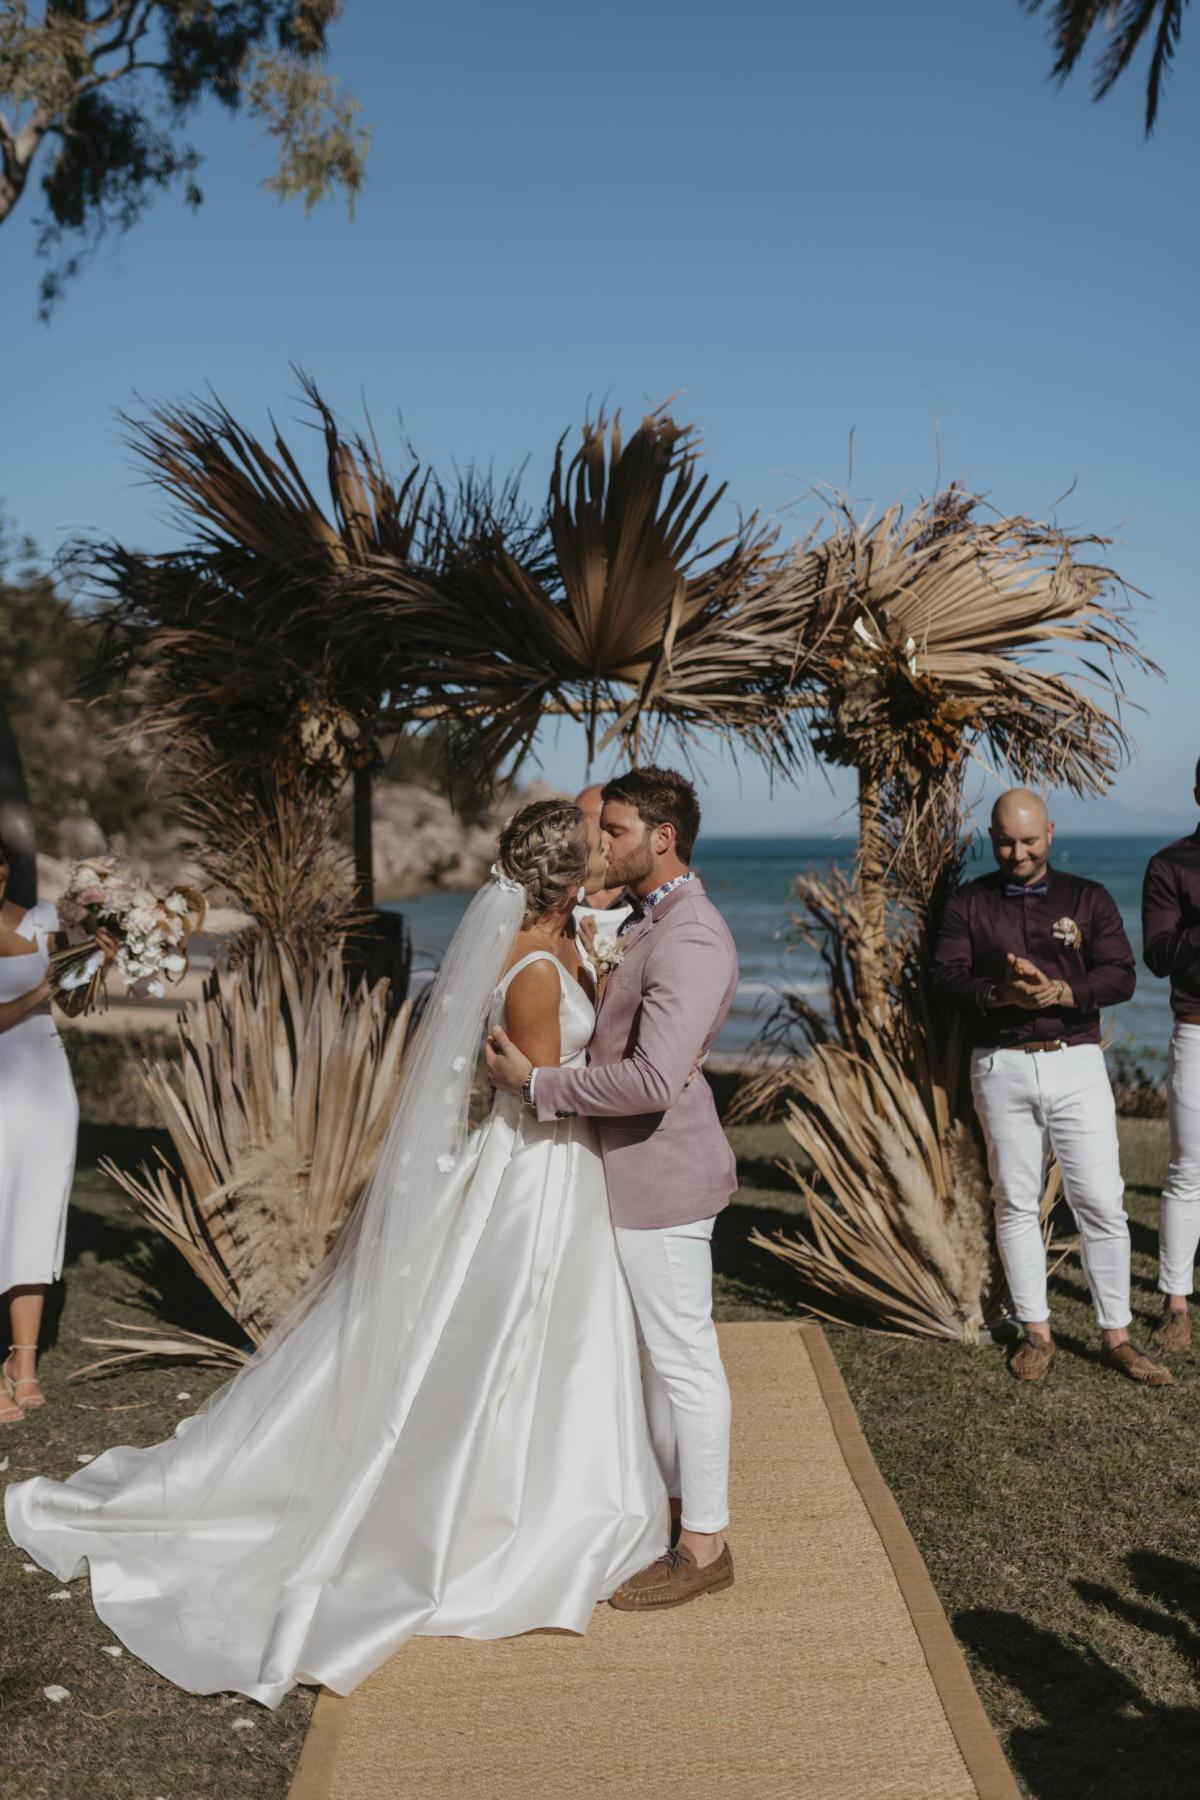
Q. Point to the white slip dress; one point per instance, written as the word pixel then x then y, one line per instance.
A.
pixel 39 1119
pixel 521 1490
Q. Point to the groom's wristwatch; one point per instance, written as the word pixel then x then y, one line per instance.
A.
pixel 527 1090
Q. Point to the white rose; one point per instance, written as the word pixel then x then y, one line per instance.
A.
pixel 174 965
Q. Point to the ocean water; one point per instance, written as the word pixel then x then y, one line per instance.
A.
pixel 750 879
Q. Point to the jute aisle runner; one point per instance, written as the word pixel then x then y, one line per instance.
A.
pixel 828 1671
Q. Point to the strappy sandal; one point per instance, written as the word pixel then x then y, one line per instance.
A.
pixel 12 1383
pixel 11 1414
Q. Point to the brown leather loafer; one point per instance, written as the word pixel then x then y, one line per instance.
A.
pixel 1136 1365
pixel 1174 1334
pixel 1031 1360
pixel 672 1580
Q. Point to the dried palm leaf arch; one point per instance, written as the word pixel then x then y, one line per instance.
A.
pixel 905 646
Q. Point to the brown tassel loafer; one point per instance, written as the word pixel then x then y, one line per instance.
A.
pixel 1136 1365
pixel 1031 1360
pixel 674 1579
pixel 1174 1333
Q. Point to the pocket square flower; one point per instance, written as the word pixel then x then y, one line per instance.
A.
pixel 1067 932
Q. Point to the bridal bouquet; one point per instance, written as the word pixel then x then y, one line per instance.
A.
pixel 152 929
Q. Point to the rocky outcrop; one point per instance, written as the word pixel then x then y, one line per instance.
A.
pixel 421 844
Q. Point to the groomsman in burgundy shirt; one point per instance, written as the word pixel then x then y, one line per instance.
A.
pixel 1032 955
pixel 1171 949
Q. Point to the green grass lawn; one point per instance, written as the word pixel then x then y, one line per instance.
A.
pixel 1059 1522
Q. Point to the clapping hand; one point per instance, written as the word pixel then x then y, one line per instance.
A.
pixel 1026 986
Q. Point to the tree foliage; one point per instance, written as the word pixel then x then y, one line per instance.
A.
pixel 102 90
pixel 1127 24
pixel 45 657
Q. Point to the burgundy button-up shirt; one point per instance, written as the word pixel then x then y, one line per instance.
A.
pixel 1171 921
pixel 983 923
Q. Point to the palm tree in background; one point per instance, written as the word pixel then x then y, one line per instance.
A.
pixel 940 638
pixel 1127 24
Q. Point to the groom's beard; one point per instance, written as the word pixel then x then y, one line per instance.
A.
pixel 627 871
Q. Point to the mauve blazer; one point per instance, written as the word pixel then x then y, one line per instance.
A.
pixel 666 1159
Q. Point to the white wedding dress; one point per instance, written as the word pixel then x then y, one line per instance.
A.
pixel 39 1118
pixel 506 1480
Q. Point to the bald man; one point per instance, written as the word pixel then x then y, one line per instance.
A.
pixel 1031 956
pixel 608 908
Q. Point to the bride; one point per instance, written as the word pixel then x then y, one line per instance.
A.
pixel 446 1437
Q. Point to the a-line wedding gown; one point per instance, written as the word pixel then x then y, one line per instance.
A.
pixel 502 1477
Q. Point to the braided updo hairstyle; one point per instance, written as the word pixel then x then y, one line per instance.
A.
pixel 544 848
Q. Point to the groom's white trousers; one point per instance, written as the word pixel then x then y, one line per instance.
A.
pixel 1179 1219
pixel 669 1271
pixel 1060 1101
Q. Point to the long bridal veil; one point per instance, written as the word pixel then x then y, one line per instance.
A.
pixel 248 1509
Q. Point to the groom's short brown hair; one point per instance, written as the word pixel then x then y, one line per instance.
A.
pixel 661 797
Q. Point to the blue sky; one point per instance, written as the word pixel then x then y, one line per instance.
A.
pixel 802 220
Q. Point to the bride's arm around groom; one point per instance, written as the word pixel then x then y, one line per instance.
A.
pixel 667 1162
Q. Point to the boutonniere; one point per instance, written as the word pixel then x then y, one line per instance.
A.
pixel 606 956
pixel 1067 932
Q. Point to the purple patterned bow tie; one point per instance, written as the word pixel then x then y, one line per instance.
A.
pixel 1014 890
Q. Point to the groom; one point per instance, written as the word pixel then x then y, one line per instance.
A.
pixel 667 1162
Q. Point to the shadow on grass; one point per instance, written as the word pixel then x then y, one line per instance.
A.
pixel 111 1231
pixel 754 1274
pixel 1099 1733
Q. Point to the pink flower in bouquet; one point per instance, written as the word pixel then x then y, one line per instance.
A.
pixel 91 896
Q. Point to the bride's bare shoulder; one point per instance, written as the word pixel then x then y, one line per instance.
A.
pixel 524 944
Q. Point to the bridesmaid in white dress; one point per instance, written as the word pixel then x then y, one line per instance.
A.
pixel 448 1437
pixel 38 1118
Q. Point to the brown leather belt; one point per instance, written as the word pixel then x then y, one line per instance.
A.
pixel 1036 1044
pixel 1187 1018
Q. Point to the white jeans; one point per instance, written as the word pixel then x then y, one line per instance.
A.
pixel 669 1271
pixel 1179 1219
pixel 1060 1101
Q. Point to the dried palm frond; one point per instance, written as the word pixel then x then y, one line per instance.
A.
pixel 277 1114
pixel 184 1346
pixel 240 633
pixel 930 638
pixel 635 623
pixel 278 858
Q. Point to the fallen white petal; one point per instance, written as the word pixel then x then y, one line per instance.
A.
pixel 56 1693
pixel 31 1568
pixel 62 1594
pixel 243 1724
pixel 112 1649
pixel 3 1465
pixel 184 1396
pixel 88 1456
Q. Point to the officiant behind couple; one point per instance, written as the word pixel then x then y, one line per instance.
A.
pixel 471 1422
